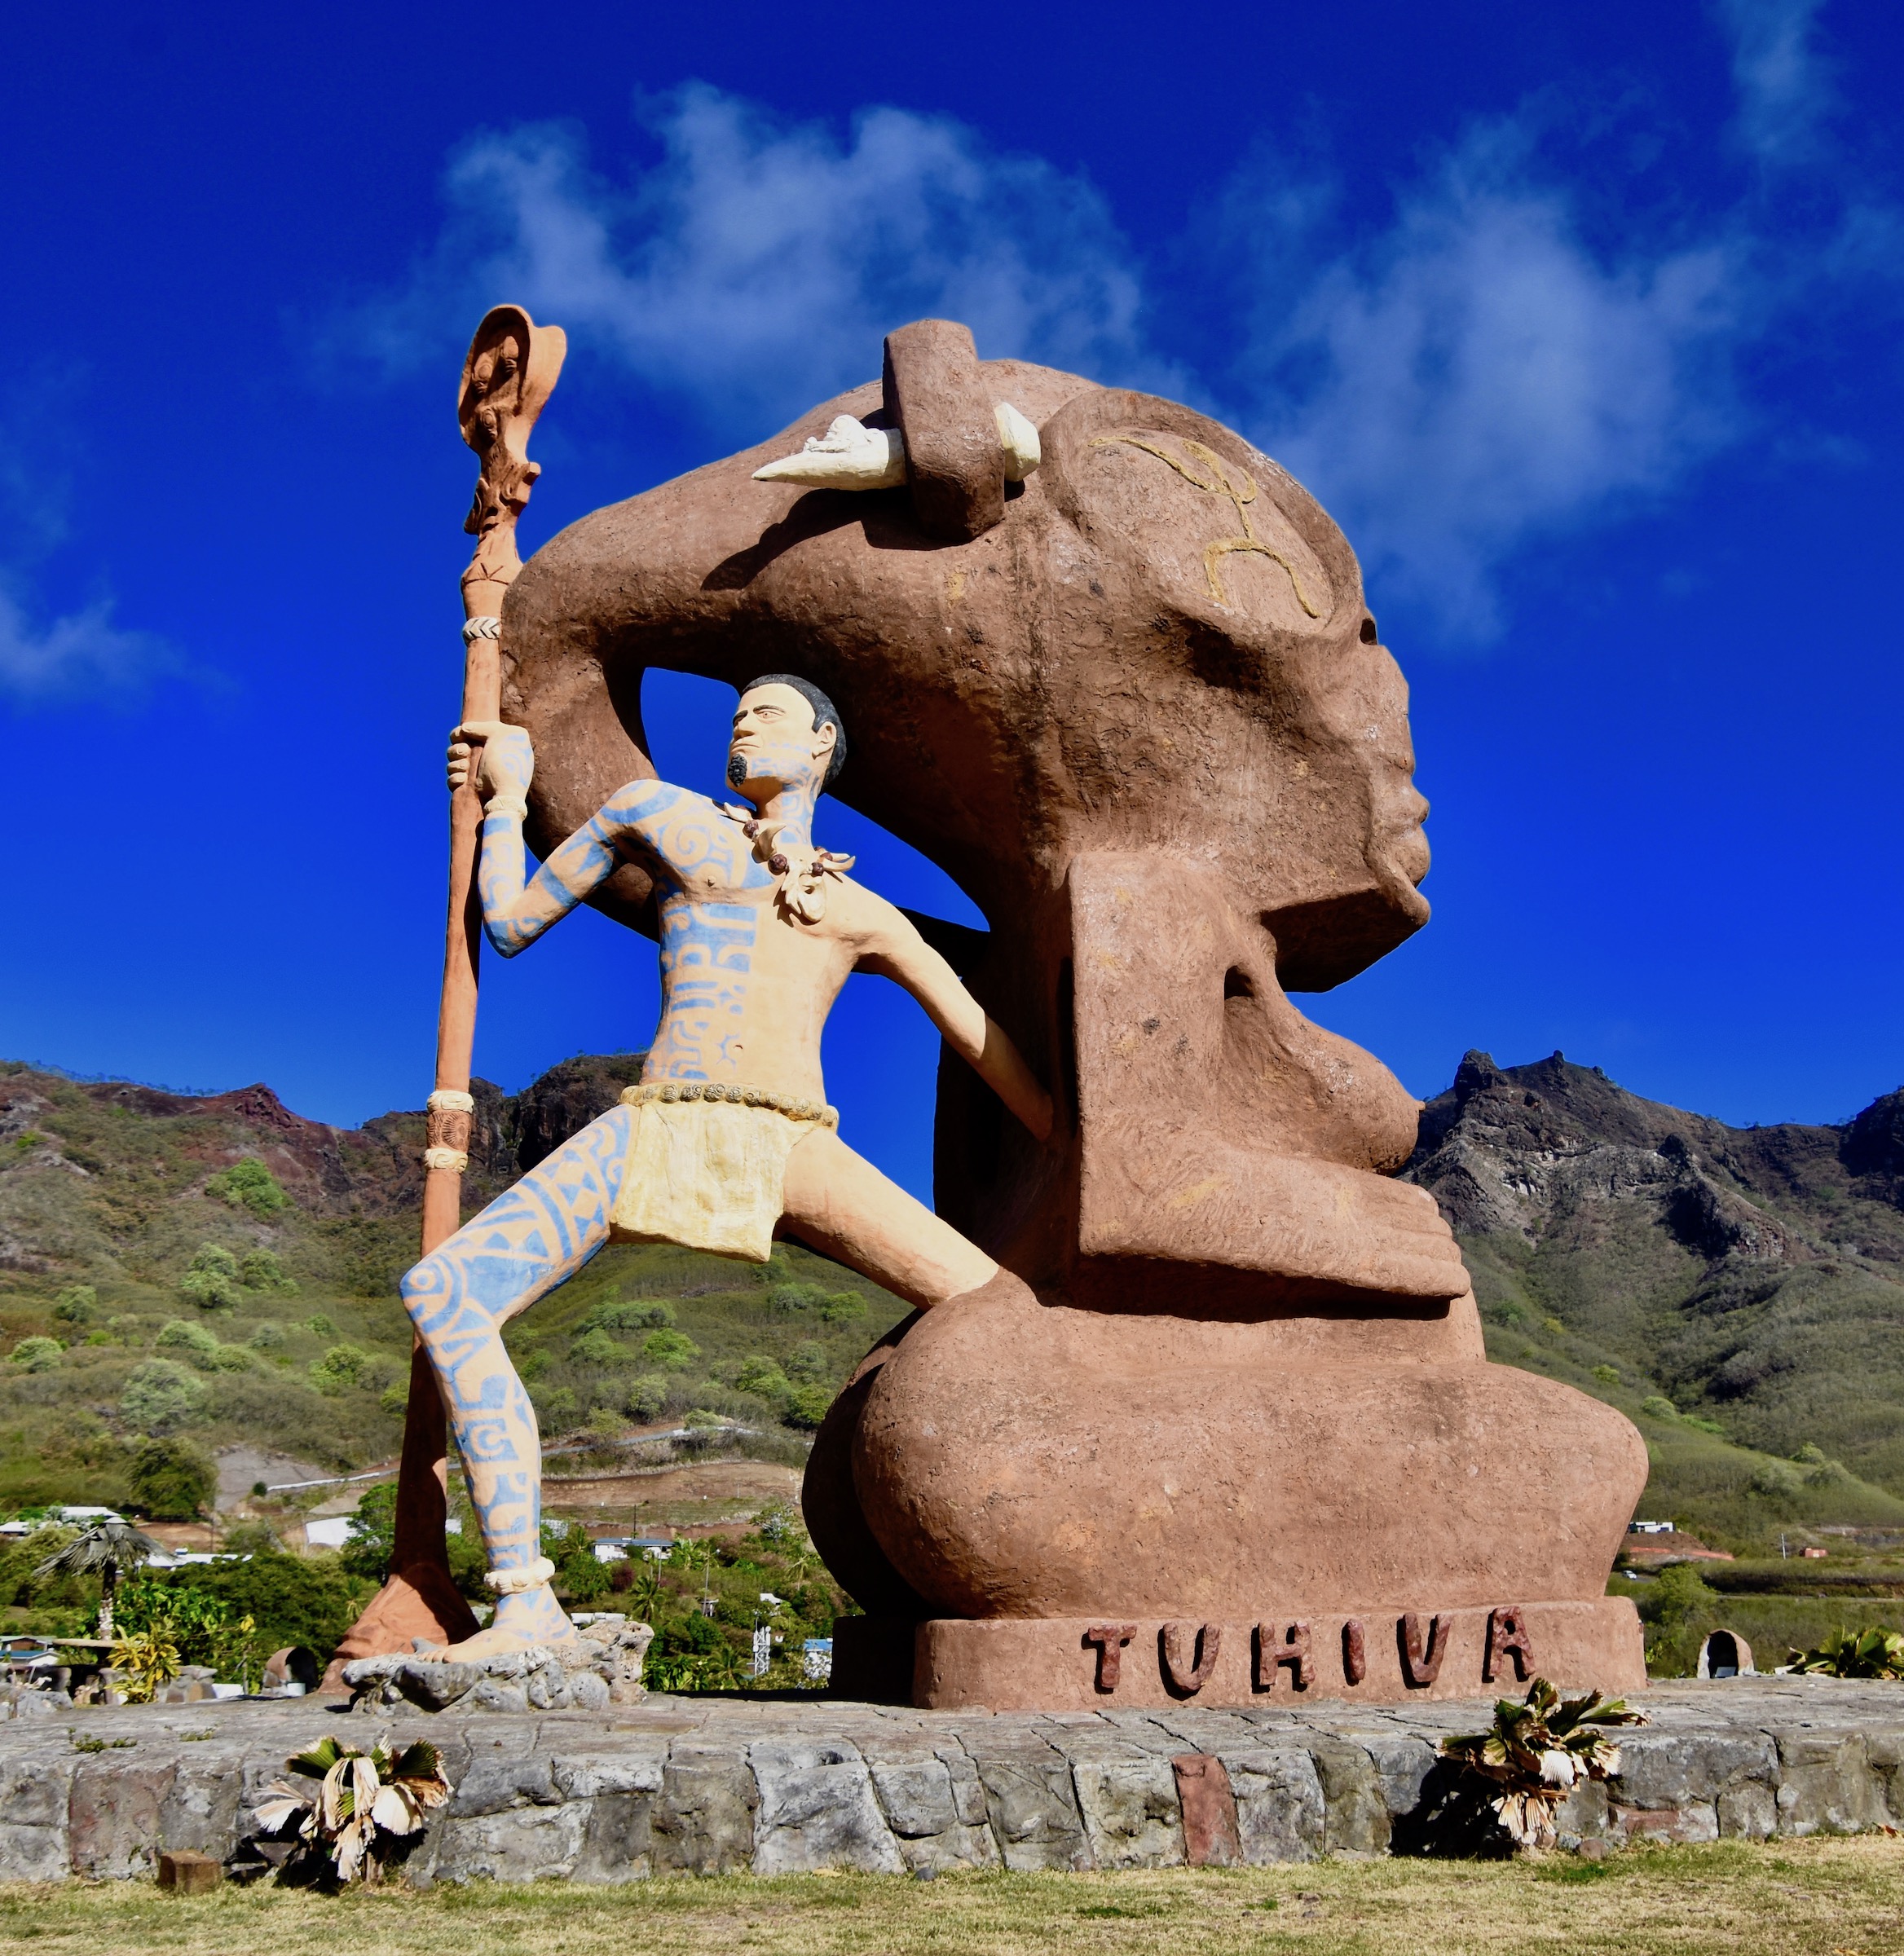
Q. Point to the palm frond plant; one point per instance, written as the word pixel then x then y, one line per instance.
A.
pixel 1537 1752
pixel 643 1593
pixel 363 1803
pixel 1872 1652
pixel 109 1550
pixel 144 1662
pixel 717 1670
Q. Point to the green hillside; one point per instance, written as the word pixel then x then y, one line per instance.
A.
pixel 219 1270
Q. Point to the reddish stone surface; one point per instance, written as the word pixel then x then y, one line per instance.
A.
pixel 1210 1839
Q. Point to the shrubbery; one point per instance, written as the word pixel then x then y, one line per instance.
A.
pixel 557 1407
pixel 160 1395
pixel 672 1350
pixel 341 1367
pixel 171 1481
pixel 211 1280
pixel 249 1184
pixel 598 1351
pixel 201 1348
pixel 645 1398
pixel 762 1374
pixel 809 1362
pixel 262 1271
pixel 807 1406
pixel 36 1355
pixel 77 1304
pixel 630 1314
pixel 310 1600
pixel 202 1627
pixel 198 1346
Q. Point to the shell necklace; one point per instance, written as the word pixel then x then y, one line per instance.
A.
pixel 799 889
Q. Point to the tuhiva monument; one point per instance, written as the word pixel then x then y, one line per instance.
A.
pixel 1193 1403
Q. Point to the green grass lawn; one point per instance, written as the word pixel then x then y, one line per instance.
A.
pixel 1820 1897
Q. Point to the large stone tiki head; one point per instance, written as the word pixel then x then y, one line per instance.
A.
pixel 1135 704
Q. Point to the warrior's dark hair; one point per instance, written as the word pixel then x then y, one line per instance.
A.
pixel 826 714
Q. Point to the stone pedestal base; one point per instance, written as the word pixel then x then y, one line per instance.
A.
pixel 1381 1658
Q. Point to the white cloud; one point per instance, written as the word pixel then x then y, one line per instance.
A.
pixel 757 266
pixel 84 654
pixel 1477 377
pixel 1470 377
pixel 1782 91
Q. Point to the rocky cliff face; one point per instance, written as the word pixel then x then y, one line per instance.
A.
pixel 1756 1273
pixel 82 1185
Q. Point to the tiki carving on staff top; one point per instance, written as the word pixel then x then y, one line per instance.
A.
pixel 1188 1359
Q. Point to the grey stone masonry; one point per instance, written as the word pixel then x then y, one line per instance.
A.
pixel 621 1792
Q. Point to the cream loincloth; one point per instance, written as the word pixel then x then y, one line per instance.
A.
pixel 707 1165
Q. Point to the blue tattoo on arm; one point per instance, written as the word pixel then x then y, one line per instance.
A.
pixel 515 913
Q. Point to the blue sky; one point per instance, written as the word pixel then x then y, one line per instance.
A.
pixel 1583 319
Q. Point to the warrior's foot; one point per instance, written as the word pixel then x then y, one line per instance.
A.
pixel 529 1617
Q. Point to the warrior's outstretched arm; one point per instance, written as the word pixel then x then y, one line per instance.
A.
pixel 516 913
pixel 895 950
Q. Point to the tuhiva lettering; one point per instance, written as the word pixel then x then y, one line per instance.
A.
pixel 1507 1638
pixel 1210 1641
pixel 1355 1651
pixel 1275 1649
pixel 1110 1640
pixel 1422 1658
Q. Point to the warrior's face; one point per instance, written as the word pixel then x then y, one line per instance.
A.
pixel 775 745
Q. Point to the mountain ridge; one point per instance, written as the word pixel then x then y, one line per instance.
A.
pixel 1752 1277
pixel 1738 1291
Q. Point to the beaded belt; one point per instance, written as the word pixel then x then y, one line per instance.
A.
pixel 792 1105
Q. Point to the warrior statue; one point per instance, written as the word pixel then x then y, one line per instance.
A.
pixel 727 1138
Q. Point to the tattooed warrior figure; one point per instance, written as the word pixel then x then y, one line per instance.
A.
pixel 728 1140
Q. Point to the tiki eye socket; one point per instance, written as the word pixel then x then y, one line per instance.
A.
pixel 1369 635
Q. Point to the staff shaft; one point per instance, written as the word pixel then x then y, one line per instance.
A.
pixel 511 369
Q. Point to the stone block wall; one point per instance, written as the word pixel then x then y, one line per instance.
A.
pixel 781 1786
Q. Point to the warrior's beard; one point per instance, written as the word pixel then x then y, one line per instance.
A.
pixel 737 770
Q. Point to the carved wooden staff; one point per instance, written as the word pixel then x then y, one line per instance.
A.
pixel 510 372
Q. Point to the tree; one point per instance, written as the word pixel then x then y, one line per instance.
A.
pixel 76 1304
pixel 193 1342
pixel 672 1350
pixel 261 1271
pixel 598 1351
pixel 211 1279
pixel 161 1394
pixel 342 1366
pixel 367 1552
pixel 645 1398
pixel 109 1550
pixel 36 1355
pixel 171 1481
pixel 807 1406
pixel 249 1184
